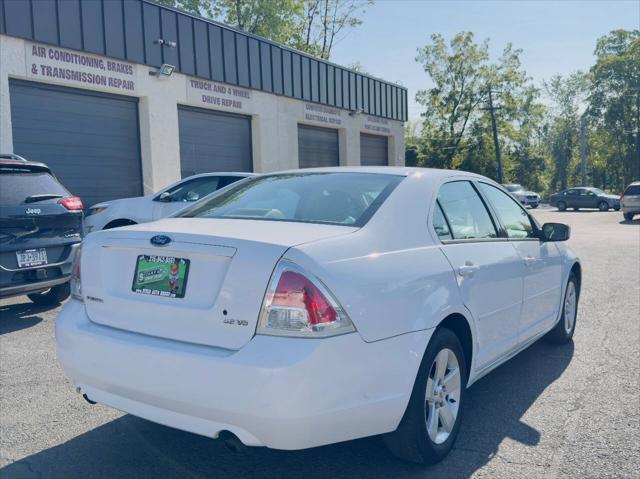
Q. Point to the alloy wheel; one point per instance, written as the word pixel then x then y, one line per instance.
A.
pixel 442 396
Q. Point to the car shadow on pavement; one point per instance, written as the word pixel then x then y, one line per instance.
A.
pixel 14 317
pixel 630 222
pixel 129 447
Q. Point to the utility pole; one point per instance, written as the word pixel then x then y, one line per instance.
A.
pixel 496 144
pixel 583 149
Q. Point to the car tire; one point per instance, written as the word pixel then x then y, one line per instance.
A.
pixel 603 206
pixel 617 208
pixel 563 331
pixel 562 206
pixel 425 434
pixel 51 296
pixel 534 206
pixel 628 216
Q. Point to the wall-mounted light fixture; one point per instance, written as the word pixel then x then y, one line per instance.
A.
pixel 353 113
pixel 164 71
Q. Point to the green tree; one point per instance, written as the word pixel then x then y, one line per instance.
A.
pixel 457 125
pixel 614 109
pixel 567 95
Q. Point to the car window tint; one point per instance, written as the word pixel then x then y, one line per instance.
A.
pixel 16 187
pixel 331 198
pixel 440 224
pixel 632 190
pixel 193 190
pixel 465 211
pixel 514 218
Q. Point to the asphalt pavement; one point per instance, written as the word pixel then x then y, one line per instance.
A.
pixel 551 412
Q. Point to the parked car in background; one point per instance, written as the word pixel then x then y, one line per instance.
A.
pixel 527 198
pixel 40 228
pixel 266 307
pixel 584 197
pixel 130 211
pixel 630 201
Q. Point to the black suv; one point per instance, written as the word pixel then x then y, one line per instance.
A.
pixel 40 229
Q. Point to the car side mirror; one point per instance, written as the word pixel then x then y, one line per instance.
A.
pixel 555 232
pixel 165 197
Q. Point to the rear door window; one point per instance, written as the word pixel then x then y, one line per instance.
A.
pixel 465 212
pixel 16 187
pixel 514 219
pixel 632 190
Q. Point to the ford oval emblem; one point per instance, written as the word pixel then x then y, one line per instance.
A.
pixel 160 240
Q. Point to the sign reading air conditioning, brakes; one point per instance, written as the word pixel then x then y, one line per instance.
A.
pixel 72 68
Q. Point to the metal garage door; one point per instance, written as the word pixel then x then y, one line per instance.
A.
pixel 317 147
pixel 373 150
pixel 90 140
pixel 213 141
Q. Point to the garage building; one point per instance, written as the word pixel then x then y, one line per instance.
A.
pixel 81 89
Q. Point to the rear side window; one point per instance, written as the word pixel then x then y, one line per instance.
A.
pixel 515 220
pixel 465 212
pixel 440 224
pixel 16 187
pixel 348 199
pixel 632 190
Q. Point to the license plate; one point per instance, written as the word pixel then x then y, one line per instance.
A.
pixel 161 276
pixel 28 258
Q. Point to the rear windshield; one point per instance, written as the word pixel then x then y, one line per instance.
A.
pixel 16 187
pixel 632 190
pixel 348 199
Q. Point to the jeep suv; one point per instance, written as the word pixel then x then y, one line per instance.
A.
pixel 40 228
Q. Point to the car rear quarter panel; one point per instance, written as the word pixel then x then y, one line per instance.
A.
pixel 390 276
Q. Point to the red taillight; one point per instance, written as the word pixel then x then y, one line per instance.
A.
pixel 296 291
pixel 297 304
pixel 71 203
pixel 76 284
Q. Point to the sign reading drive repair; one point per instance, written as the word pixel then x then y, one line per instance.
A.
pixel 217 95
pixel 79 69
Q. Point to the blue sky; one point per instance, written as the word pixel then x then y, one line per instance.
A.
pixel 556 36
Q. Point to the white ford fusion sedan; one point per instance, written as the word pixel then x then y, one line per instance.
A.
pixel 309 307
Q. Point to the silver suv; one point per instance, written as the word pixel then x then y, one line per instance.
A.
pixel 630 201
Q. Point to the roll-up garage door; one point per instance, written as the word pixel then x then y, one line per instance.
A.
pixel 373 150
pixel 89 140
pixel 213 141
pixel 317 147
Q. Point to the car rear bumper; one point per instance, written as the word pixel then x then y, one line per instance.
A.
pixel 19 281
pixel 283 393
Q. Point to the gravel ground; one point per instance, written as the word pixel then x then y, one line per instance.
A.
pixel 568 411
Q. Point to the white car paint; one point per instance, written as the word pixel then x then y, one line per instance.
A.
pixel 142 209
pixel 179 363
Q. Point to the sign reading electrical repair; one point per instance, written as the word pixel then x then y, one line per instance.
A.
pixel 376 124
pixel 217 95
pixel 72 68
pixel 322 114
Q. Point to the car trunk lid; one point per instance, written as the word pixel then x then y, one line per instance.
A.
pixel 230 263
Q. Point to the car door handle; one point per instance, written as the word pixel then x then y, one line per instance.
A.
pixel 468 270
pixel 530 260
